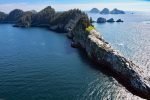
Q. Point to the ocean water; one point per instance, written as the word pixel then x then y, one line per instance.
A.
pixel 38 64
pixel 131 38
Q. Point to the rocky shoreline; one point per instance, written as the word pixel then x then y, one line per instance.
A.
pixel 75 23
pixel 103 54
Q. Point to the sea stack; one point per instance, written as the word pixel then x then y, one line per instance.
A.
pixel 111 20
pixel 101 20
pixel 119 20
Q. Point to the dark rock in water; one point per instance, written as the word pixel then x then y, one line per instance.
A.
pixel 105 11
pixel 101 20
pixel 94 10
pixel 116 11
pixel 111 20
pixel 119 20
pixel 13 16
pixel 75 45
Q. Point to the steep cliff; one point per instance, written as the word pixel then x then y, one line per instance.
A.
pixel 65 21
pixel 103 54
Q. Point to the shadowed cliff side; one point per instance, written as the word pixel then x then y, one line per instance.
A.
pixel 125 71
pixel 57 21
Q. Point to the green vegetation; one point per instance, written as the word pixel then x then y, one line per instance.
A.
pixel 89 28
pixel 57 21
pixel 45 16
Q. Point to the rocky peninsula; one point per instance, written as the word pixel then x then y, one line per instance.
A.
pixel 84 36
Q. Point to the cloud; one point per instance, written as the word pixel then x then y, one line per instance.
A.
pixel 24 6
pixel 132 6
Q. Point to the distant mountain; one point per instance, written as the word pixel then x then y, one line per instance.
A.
pixel 116 11
pixel 105 11
pixel 94 10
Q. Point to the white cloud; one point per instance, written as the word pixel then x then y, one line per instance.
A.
pixel 24 6
pixel 132 6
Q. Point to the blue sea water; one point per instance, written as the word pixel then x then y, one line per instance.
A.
pixel 38 64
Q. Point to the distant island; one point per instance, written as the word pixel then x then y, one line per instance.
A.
pixel 107 11
pixel 111 20
pixel 78 27
pixel 94 10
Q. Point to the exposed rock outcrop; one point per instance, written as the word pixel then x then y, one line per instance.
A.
pixel 94 10
pixel 101 20
pixel 105 11
pixel 111 20
pixel 119 20
pixel 64 22
pixel 116 11
pixel 102 53
pixel 25 20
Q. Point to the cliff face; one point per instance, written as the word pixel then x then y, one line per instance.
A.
pixel 65 21
pixel 102 53
pixel 44 17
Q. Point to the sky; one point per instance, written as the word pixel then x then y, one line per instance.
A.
pixel 61 5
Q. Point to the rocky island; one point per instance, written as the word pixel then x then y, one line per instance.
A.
pixel 105 11
pixel 84 36
pixel 117 11
pixel 94 10
pixel 111 20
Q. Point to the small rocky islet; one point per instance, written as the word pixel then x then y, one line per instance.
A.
pixel 80 30
pixel 111 20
